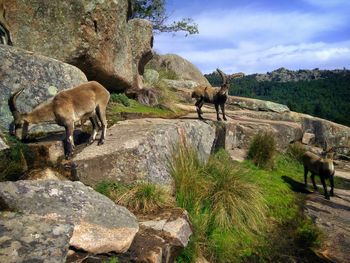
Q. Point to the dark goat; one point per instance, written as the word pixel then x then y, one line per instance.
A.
pixel 216 96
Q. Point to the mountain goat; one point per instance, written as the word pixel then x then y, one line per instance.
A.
pixel 88 100
pixel 216 96
pixel 322 166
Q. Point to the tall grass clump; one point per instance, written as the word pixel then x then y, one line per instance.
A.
pixel 220 203
pixel 296 151
pixel 138 197
pixel 262 150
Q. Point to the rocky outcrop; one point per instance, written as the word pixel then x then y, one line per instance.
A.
pixel 256 105
pixel 33 238
pixel 285 75
pixel 40 76
pixel 96 36
pixel 333 218
pixel 142 154
pixel 184 69
pixel 99 226
pixel 161 236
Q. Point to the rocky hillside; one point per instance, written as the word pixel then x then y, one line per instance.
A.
pixel 58 210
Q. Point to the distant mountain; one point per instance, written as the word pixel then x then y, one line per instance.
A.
pixel 322 93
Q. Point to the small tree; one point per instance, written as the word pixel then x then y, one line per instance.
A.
pixel 154 11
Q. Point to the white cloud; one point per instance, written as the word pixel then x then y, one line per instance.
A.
pixel 254 41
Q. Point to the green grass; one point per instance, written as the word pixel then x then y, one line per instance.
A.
pixel 243 213
pixel 13 161
pixel 138 197
pixel 117 111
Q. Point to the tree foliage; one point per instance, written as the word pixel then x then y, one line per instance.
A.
pixel 154 11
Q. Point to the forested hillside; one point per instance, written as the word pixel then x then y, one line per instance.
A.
pixel 322 93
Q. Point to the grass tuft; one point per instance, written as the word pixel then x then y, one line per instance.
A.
pixel 262 150
pixel 138 197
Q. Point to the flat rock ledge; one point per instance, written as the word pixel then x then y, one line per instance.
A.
pixel 91 221
pixel 140 150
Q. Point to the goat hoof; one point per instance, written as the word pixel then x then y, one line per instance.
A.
pixel 225 119
pixel 219 119
pixel 100 142
pixel 327 197
pixel 91 141
pixel 331 193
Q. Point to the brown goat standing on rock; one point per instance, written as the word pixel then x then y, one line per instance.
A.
pixel 216 96
pixel 88 100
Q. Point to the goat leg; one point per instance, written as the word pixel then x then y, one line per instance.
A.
pixel 326 195
pixel 217 112
pixel 101 114
pixel 94 124
pixel 222 106
pixel 69 140
pixel 199 105
pixel 331 180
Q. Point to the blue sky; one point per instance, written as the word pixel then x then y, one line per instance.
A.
pixel 260 36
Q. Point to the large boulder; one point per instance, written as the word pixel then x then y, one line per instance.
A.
pixel 40 76
pixel 140 150
pixel 33 238
pixel 96 36
pixel 99 225
pixel 184 69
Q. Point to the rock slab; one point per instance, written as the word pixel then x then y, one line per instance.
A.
pixel 141 149
pixel 99 226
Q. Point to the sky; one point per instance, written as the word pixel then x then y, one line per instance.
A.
pixel 260 36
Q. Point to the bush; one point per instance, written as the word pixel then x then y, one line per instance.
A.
pixel 120 98
pixel 295 151
pixel 262 150
pixel 138 197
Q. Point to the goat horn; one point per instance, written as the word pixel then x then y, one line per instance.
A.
pixel 223 76
pixel 12 101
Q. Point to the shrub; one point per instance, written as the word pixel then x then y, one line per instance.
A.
pixel 167 74
pixel 295 151
pixel 138 197
pixel 262 150
pixel 120 98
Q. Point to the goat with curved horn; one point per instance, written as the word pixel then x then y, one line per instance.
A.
pixel 216 96
pixel 88 100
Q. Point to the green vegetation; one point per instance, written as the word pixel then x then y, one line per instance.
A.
pixel 120 98
pixel 13 161
pixel 117 111
pixel 242 213
pixel 326 98
pixel 262 150
pixel 138 197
